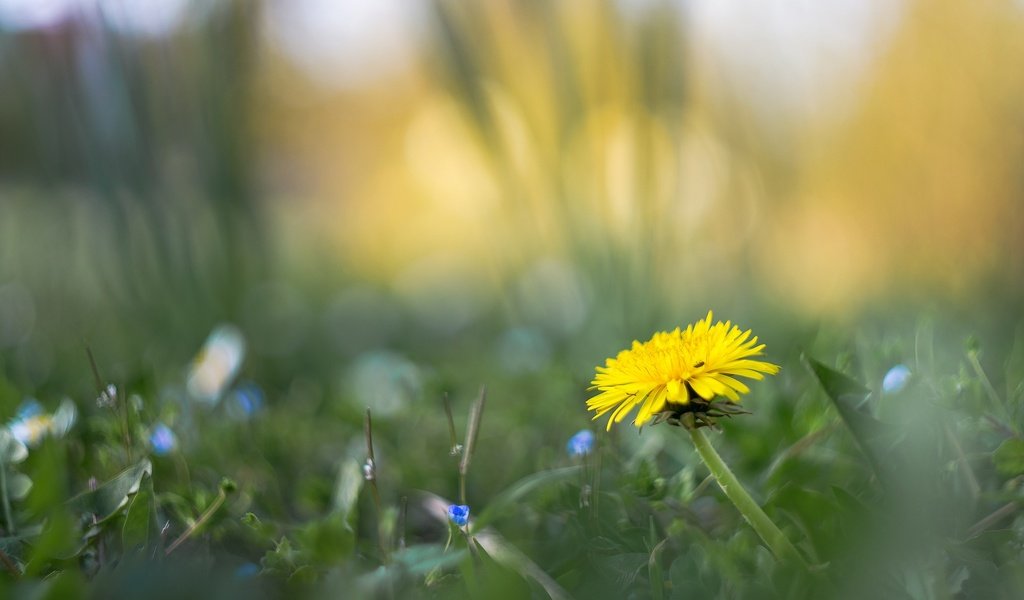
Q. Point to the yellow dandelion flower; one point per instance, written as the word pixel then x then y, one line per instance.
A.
pixel 678 371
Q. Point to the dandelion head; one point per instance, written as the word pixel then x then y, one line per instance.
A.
pixel 458 514
pixel 679 372
pixel 581 443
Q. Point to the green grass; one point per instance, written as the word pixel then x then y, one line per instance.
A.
pixel 905 494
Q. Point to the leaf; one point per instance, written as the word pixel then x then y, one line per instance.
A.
pixel 326 541
pixel 346 491
pixel 1009 457
pixel 263 530
pixel 13 546
pixel 282 560
pixel 12 451
pixel 655 573
pixel 1015 367
pixel 848 501
pixel 624 568
pixel 486 573
pixel 874 438
pixel 524 486
pixel 139 519
pixel 109 498
pixel 18 486
pixel 423 559
pixel 304 575
pixel 59 540
pixel 67 584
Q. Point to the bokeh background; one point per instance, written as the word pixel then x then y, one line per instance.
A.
pixel 550 167
pixel 372 202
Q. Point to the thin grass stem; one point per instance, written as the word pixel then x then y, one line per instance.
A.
pixel 5 495
pixel 370 472
pixel 452 436
pixel 990 390
pixel 476 413
pixel 206 516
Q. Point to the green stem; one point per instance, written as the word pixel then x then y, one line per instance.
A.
pixel 8 519
pixel 199 522
pixel 773 537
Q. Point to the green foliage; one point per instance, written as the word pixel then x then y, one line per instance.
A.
pixel 1009 457
pixel 109 498
pixel 904 494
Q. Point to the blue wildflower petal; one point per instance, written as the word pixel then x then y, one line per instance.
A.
pixel 458 514
pixel 247 571
pixel 581 444
pixel 896 379
pixel 163 440
pixel 28 409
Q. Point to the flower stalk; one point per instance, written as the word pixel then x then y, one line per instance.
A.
pixel 370 474
pixel 476 413
pixel 772 536
pixel 226 487
pixel 5 497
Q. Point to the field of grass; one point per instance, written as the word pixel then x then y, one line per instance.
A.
pixel 890 456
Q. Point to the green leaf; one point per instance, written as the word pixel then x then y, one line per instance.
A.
pixel 108 499
pixel 1009 457
pixel 655 572
pixel 624 568
pixel 848 501
pixel 282 560
pixel 346 492
pixel 326 541
pixel 263 530
pixel 13 546
pixel 304 575
pixel 423 559
pixel 139 520
pixel 849 396
pixel 18 485
pixel 1015 368
pixel 59 540
pixel 485 574
pixel 524 486
pixel 68 584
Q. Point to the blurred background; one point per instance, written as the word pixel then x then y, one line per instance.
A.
pixel 543 166
pixel 503 188
pixel 369 202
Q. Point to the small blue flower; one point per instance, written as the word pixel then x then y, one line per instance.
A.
pixel 28 409
pixel 31 424
pixel 250 398
pixel 163 440
pixel 247 570
pixel 245 401
pixel 458 514
pixel 581 444
pixel 896 379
